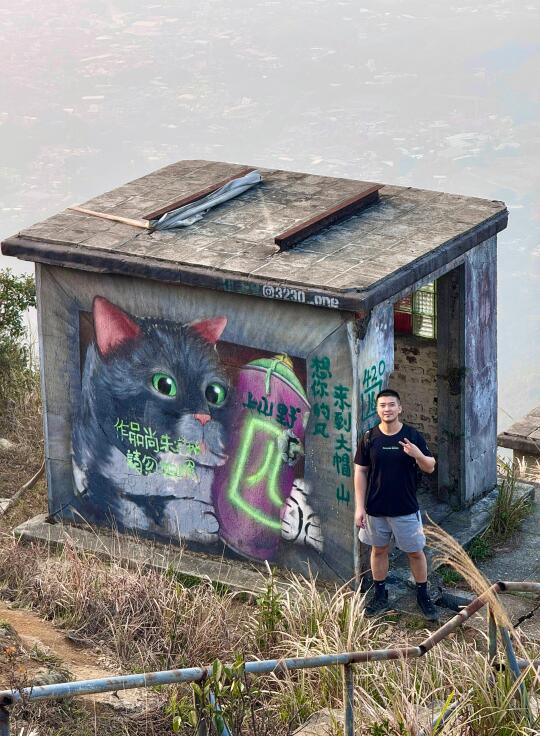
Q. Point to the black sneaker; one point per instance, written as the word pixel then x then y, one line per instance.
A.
pixel 427 607
pixel 378 604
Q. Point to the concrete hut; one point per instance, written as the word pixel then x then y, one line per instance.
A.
pixel 209 384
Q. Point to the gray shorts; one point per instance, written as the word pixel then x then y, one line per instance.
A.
pixel 407 531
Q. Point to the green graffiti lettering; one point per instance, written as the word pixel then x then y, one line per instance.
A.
pixel 151 441
pixel 322 410
pixel 342 464
pixel 286 415
pixel 343 495
pixel 256 429
pixel 320 367
pixel 341 394
pixel 137 435
pixel 319 388
pixel 342 443
pixel 342 421
pixel 372 383
pixel 320 429
pixel 133 459
pixel 265 408
pixel 121 428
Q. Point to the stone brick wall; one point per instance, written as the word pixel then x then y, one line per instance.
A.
pixel 415 379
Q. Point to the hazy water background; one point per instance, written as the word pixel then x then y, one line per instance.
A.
pixel 428 94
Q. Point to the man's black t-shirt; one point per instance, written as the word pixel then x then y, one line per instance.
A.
pixel 392 478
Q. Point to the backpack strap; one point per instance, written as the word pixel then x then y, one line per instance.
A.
pixel 367 438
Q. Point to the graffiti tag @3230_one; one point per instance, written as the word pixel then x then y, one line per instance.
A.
pixel 299 295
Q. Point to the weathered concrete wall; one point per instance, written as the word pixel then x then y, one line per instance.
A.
pixel 173 411
pixel 467 376
pixel 372 348
pixel 480 389
pixel 415 379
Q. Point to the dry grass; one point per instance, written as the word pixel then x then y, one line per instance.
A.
pixel 450 553
pixel 144 620
pixel 529 471
pixel 21 424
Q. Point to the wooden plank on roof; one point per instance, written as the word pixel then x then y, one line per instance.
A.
pixel 189 198
pixel 340 211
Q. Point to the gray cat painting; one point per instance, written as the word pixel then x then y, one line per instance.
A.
pixel 151 429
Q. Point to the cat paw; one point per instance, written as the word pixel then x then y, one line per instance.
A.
pixel 299 523
pixel 79 478
pixel 290 448
pixel 193 521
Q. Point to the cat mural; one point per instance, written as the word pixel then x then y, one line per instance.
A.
pixel 153 429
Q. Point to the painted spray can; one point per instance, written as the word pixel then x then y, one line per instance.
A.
pixel 267 430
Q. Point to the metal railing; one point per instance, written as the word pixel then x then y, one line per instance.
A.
pixel 345 659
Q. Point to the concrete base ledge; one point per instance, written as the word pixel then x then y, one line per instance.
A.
pixel 130 551
pixel 236 575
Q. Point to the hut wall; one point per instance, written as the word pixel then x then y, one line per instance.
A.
pixel 372 348
pixel 467 376
pixel 267 476
pixel 415 379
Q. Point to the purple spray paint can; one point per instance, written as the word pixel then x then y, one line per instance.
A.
pixel 267 431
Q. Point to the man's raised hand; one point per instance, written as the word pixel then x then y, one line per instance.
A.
pixel 410 448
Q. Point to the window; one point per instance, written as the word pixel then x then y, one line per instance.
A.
pixel 416 314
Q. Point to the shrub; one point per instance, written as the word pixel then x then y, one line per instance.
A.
pixel 17 376
pixel 510 508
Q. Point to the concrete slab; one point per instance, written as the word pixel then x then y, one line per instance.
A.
pixel 517 607
pixel 322 723
pixel 531 626
pixel 235 575
pixel 432 508
pixel 520 560
pixel 407 604
pixel 531 524
pixel 468 524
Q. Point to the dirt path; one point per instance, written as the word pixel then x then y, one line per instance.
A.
pixel 81 661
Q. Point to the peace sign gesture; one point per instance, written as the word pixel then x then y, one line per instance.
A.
pixel 410 448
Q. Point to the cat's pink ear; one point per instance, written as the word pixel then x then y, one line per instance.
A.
pixel 210 329
pixel 112 325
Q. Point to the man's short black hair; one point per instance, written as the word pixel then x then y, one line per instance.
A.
pixel 388 392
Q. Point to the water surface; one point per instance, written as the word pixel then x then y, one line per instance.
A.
pixel 411 93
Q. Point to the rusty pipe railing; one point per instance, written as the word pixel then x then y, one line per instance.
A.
pixel 344 659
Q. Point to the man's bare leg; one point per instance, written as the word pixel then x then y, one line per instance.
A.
pixel 379 563
pixel 418 564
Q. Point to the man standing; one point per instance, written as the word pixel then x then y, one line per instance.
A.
pixel 385 483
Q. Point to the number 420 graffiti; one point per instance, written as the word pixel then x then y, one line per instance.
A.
pixel 372 383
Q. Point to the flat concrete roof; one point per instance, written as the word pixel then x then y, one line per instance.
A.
pixel 523 435
pixel 381 251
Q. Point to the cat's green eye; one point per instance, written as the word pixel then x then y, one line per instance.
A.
pixel 164 384
pixel 216 393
